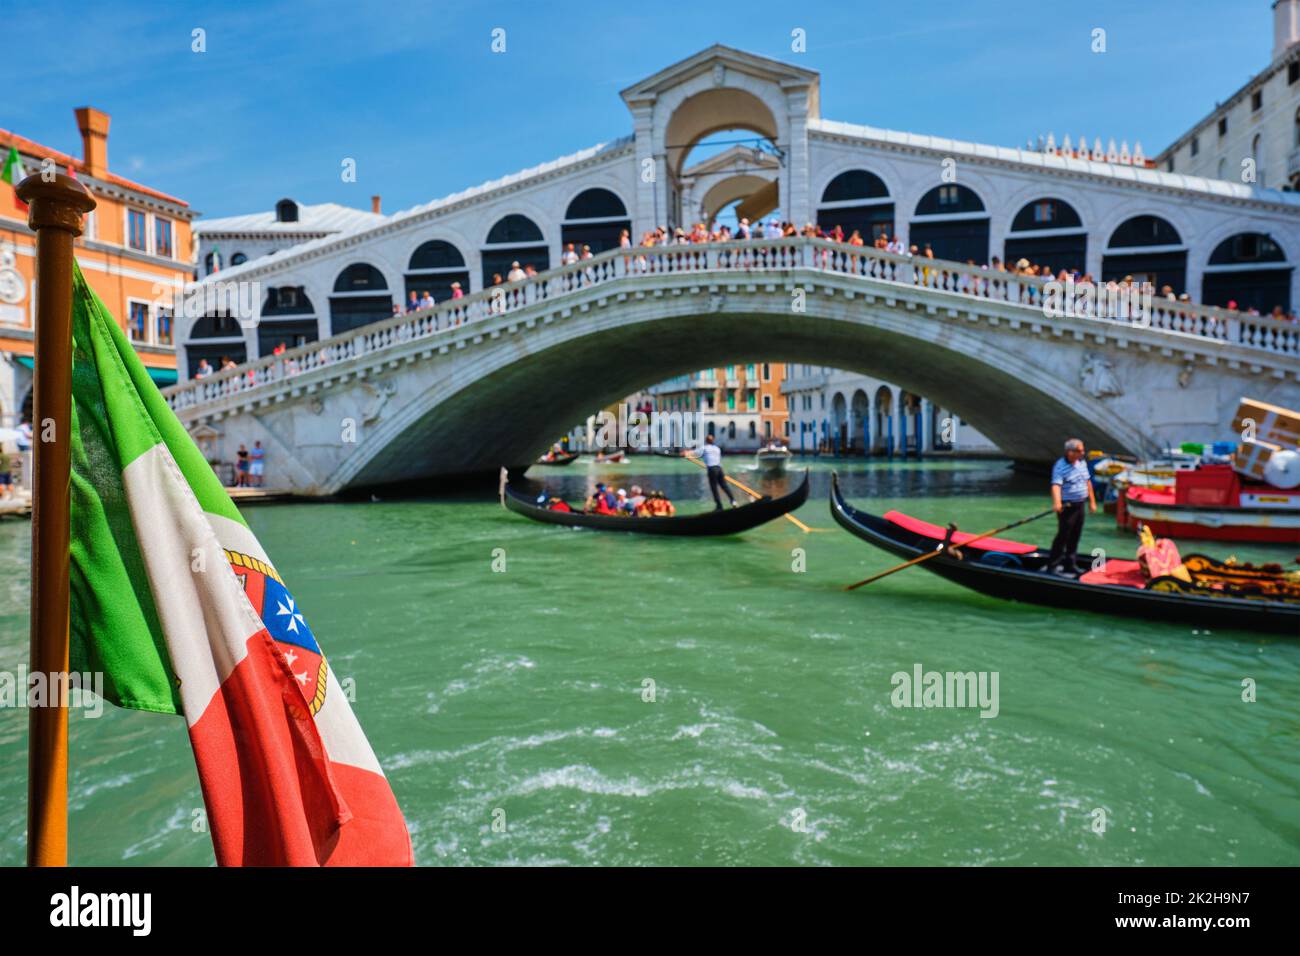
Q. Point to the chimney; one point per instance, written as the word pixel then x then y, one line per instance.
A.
pixel 1286 25
pixel 93 124
pixel 374 205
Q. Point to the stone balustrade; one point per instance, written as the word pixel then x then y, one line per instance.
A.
pixel 733 259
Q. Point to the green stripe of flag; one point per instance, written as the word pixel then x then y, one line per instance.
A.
pixel 118 415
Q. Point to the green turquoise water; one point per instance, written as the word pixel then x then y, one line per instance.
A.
pixel 518 696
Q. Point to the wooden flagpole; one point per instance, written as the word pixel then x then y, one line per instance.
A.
pixel 57 203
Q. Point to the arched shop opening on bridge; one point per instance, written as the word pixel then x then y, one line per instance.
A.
pixel 513 238
pixel 288 319
pixel 1048 232
pixel 857 200
pixel 215 337
pixel 433 267
pixel 596 218
pixel 1251 270
pixel 360 297
pixel 951 219
pixel 1149 249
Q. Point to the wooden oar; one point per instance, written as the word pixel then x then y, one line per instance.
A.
pixel 748 490
pixel 944 544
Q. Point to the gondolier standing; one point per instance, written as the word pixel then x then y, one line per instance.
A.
pixel 711 455
pixel 1071 487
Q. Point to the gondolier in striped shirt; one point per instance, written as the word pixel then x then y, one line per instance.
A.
pixel 1071 487
pixel 711 455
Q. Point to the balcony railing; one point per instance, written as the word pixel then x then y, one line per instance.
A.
pixel 727 262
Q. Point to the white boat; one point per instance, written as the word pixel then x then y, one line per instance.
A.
pixel 772 459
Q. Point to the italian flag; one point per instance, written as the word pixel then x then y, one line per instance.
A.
pixel 13 174
pixel 177 604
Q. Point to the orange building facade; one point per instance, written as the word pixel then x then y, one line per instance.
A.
pixel 741 404
pixel 134 250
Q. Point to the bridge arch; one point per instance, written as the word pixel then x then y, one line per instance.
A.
pixel 713 110
pixel 882 439
pixel 501 404
pixel 743 187
pixel 860 417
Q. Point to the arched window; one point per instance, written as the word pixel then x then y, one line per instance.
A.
pixel 434 266
pixel 1297 128
pixel 215 327
pixel 238 259
pixel 948 199
pixel 360 277
pixel 1065 248
pixel 436 254
pixel 853 185
pixel 210 262
pixel 952 221
pixel 1046 214
pixel 596 204
pixel 286 210
pixel 1246 247
pixel 514 228
pixel 287 300
pixel 1144 231
pixel 1248 270
pixel 360 298
pixel 514 238
pixel 595 218
pixel 288 317
pixel 1139 248
pixel 857 200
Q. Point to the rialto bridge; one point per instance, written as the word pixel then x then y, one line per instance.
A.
pixel 465 387
pixel 490 379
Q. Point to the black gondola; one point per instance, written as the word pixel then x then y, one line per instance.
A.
pixel 559 460
pixel 1018 572
pixel 727 521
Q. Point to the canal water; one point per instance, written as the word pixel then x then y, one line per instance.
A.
pixel 512 708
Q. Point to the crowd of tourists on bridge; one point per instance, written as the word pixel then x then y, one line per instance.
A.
pixel 965 281
pixel 995 277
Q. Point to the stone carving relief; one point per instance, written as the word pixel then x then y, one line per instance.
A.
pixel 1097 376
pixel 379 393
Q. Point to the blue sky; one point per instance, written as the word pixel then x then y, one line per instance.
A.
pixel 413 92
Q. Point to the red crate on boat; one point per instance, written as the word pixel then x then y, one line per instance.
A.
pixel 1207 485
